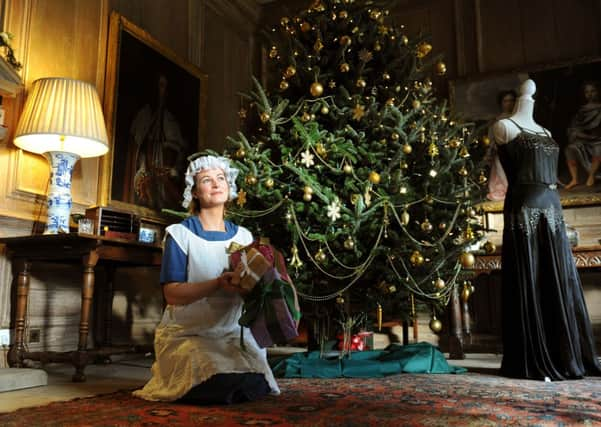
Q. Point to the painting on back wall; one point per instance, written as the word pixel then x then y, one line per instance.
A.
pixel 155 106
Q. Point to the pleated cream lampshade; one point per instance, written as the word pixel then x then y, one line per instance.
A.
pixel 65 115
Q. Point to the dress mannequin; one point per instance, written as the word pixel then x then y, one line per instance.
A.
pixel 546 327
pixel 504 130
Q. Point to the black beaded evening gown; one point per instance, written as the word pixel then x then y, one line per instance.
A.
pixel 546 326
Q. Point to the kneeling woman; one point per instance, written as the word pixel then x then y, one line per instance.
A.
pixel 197 344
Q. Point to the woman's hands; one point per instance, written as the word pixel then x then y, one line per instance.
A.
pixel 230 282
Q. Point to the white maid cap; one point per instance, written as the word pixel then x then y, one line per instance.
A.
pixel 209 162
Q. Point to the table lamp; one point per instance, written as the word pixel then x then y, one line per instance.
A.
pixel 62 119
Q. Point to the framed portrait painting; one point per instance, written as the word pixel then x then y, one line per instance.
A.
pixel 567 103
pixel 155 108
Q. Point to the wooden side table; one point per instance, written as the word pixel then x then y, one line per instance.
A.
pixel 586 257
pixel 87 250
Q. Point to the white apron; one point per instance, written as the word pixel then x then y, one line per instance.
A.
pixel 196 341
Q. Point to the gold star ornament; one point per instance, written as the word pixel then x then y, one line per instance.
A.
pixel 358 112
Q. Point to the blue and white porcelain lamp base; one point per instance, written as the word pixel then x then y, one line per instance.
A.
pixel 59 192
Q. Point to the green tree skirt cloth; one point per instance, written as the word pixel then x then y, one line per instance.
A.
pixel 420 358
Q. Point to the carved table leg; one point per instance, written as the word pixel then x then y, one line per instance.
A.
pixel 108 301
pixel 455 332
pixel 15 354
pixel 80 358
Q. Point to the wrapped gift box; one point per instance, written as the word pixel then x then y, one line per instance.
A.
pixel 250 267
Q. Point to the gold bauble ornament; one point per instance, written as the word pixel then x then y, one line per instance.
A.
pixel 345 41
pixel 404 165
pixel 416 104
pixel 407 148
pixel 465 293
pixel 325 109
pixel 320 256
pixel 403 189
pixel 307 190
pixel 395 136
pixel 339 300
pixel 273 52
pixel 423 49
pixel 467 259
pixel 441 68
pixel 405 218
pixel 426 226
pixel 490 247
pixel 462 171
pixel 390 102
pixel 316 89
pixel 386 76
pixel 439 283
pixel 343 14
pixel 240 153
pixel 347 169
pixel 349 243
pixel 374 177
pixel 344 67
pixel 307 197
pixel 361 83
pixel 284 85
pixel 485 141
pixel 416 259
pixel 377 46
pixel 250 179
pixel 435 325
pixel 305 26
pixel 269 183
pixel 306 117
pixel 290 72
pixel 265 117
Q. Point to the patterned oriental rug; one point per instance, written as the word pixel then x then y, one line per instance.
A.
pixel 400 400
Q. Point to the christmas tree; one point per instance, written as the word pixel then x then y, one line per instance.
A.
pixel 353 167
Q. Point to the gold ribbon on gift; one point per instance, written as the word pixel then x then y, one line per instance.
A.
pixel 234 247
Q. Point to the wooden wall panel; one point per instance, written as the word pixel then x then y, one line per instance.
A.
pixel 165 20
pixel 539 35
pixel 578 28
pixel 498 34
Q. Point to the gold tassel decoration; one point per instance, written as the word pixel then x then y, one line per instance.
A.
pixel 379 317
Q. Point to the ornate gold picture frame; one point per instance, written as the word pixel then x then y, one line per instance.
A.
pixel 155 108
